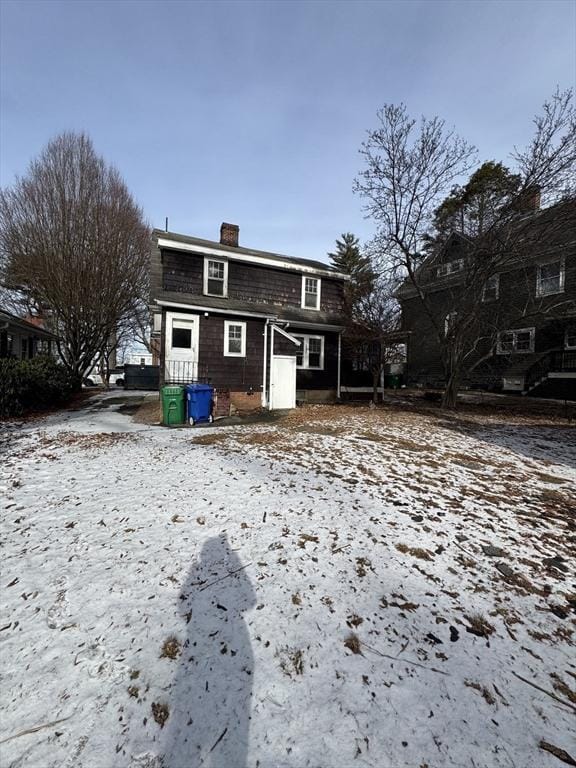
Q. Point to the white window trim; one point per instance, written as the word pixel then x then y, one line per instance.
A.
pixel 566 345
pixel 224 294
pixel 449 267
pixel 305 352
pixel 449 322
pixel 514 351
pixel 227 353
pixel 497 296
pixel 562 263
pixel 303 296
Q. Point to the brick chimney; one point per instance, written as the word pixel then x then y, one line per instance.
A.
pixel 529 200
pixel 229 234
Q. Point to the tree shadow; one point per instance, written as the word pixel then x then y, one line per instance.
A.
pixel 210 702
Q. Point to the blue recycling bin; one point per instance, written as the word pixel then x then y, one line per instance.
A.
pixel 199 399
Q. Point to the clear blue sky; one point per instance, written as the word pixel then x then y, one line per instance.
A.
pixel 253 112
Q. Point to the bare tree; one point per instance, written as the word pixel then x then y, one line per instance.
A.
pixel 373 328
pixel 410 167
pixel 74 242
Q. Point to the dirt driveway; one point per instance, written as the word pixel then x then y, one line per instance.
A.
pixel 344 587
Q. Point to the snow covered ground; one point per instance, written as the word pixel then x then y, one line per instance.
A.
pixel 344 587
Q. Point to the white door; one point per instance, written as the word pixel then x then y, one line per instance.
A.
pixel 282 382
pixel 181 348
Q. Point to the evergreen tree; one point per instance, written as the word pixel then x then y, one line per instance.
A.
pixel 472 209
pixel 348 258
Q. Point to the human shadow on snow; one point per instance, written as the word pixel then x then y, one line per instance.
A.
pixel 210 700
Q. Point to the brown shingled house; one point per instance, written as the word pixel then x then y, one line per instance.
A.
pixel 264 326
pixel 526 340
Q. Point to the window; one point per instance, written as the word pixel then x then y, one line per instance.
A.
pixel 234 339
pixel 310 354
pixel 570 337
pixel 181 338
pixel 550 278
pixel 450 322
pixel 215 277
pixel 43 347
pixel 310 292
pixel 491 289
pixel 450 267
pixel 520 341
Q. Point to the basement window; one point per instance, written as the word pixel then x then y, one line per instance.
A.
pixel 215 277
pixel 520 341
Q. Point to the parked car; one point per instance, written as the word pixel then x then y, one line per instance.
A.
pixel 95 380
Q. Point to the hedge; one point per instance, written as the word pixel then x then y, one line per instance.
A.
pixel 32 385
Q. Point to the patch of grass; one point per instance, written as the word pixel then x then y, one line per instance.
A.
pixel 171 648
pixel 296 599
pixel 352 642
pixel 479 625
pixel 213 439
pixel 160 713
pixel 486 694
pixel 94 440
pixel 421 554
pixel 133 691
pixel 552 479
pixel 149 412
pixel 354 621
pixel 363 565
pixel 291 661
pixel 559 685
pixel 305 537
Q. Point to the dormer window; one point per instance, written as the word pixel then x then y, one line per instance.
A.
pixel 450 267
pixel 215 277
pixel 310 292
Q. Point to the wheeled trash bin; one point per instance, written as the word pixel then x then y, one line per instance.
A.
pixel 173 405
pixel 199 403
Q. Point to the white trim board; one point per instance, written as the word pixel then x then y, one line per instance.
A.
pixel 215 310
pixel 176 245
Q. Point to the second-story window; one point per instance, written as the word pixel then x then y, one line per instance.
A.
pixel 550 278
pixel 310 292
pixel 215 277
pixel 450 323
pixel 491 289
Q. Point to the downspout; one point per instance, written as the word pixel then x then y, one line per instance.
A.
pixel 271 359
pixel 339 360
pixel 264 398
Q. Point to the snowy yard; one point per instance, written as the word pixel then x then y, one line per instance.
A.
pixel 343 587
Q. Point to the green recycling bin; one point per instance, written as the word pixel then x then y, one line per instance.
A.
pixel 392 381
pixel 173 405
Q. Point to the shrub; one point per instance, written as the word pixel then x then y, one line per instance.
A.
pixel 32 385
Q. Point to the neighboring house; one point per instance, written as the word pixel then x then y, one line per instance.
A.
pixel 24 338
pixel 265 327
pixel 527 312
pixel 140 358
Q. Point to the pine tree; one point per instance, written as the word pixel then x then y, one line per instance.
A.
pixel 348 258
